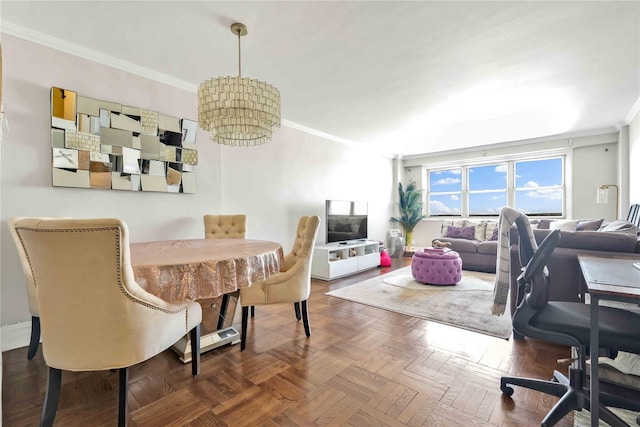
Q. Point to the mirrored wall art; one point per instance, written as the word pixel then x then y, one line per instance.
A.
pixel 104 145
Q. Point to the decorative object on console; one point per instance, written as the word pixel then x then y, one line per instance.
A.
pixel 238 111
pixel 106 145
pixel 438 244
pixel 603 195
pixel 410 204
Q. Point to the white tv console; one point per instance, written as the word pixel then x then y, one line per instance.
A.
pixel 337 260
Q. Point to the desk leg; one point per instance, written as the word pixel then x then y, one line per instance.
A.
pixel 594 352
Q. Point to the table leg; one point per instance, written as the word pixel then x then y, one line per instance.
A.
pixel 594 398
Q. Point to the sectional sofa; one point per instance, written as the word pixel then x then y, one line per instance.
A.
pixel 565 277
pixel 476 242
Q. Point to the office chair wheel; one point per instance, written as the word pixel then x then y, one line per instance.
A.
pixel 506 389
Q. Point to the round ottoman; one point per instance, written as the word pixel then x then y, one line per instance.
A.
pixel 436 268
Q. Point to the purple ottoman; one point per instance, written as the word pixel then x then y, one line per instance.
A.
pixel 436 268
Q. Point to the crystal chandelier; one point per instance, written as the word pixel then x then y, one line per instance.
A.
pixel 238 110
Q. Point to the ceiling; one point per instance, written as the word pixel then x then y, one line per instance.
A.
pixel 398 77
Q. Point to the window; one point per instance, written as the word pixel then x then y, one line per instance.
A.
pixel 445 192
pixel 539 187
pixel 487 189
pixel 534 186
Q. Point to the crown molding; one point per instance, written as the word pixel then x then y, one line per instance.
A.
pixel 311 131
pixel 559 137
pixel 74 49
pixel 633 112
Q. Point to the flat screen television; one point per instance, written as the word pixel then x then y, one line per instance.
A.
pixel 346 220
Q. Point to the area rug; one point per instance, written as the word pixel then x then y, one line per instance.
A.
pixel 583 418
pixel 466 305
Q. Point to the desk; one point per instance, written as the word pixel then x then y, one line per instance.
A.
pixel 178 270
pixel 608 278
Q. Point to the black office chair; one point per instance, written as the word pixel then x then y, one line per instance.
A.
pixel 634 215
pixel 567 323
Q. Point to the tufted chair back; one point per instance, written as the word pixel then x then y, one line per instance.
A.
pixel 225 226
pixel 93 313
pixel 293 283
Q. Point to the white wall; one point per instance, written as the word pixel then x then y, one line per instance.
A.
pixel 634 160
pixel 273 184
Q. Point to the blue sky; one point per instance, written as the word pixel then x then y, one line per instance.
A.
pixel 487 184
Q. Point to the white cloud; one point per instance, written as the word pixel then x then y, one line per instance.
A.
pixel 446 181
pixel 454 197
pixel 501 168
pixel 549 194
pixel 438 208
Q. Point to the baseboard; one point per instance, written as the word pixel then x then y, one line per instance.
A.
pixel 15 336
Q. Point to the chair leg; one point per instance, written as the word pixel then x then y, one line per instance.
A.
pixel 296 307
pixel 194 337
pixel 305 318
pixel 35 337
pixel 122 397
pixel 548 387
pixel 572 400
pixel 253 311
pixel 51 398
pixel 243 332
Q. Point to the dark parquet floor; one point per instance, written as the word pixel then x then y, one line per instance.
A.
pixel 362 366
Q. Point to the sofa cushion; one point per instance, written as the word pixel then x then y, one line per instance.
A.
pixel 461 245
pixel 598 240
pixel 461 232
pixel 488 247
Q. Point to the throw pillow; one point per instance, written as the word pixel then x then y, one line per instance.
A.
pixel 544 224
pixel 494 236
pixel 461 232
pixel 481 228
pixel 620 226
pixel 445 224
pixel 564 225
pixel 491 225
pixel 589 225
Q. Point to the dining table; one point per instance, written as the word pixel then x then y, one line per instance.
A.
pixel 204 270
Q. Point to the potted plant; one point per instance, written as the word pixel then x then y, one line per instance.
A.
pixel 410 205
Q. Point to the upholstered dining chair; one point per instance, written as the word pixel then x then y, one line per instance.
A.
pixel 567 323
pixel 224 227
pixel 31 289
pixel 94 316
pixel 292 284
